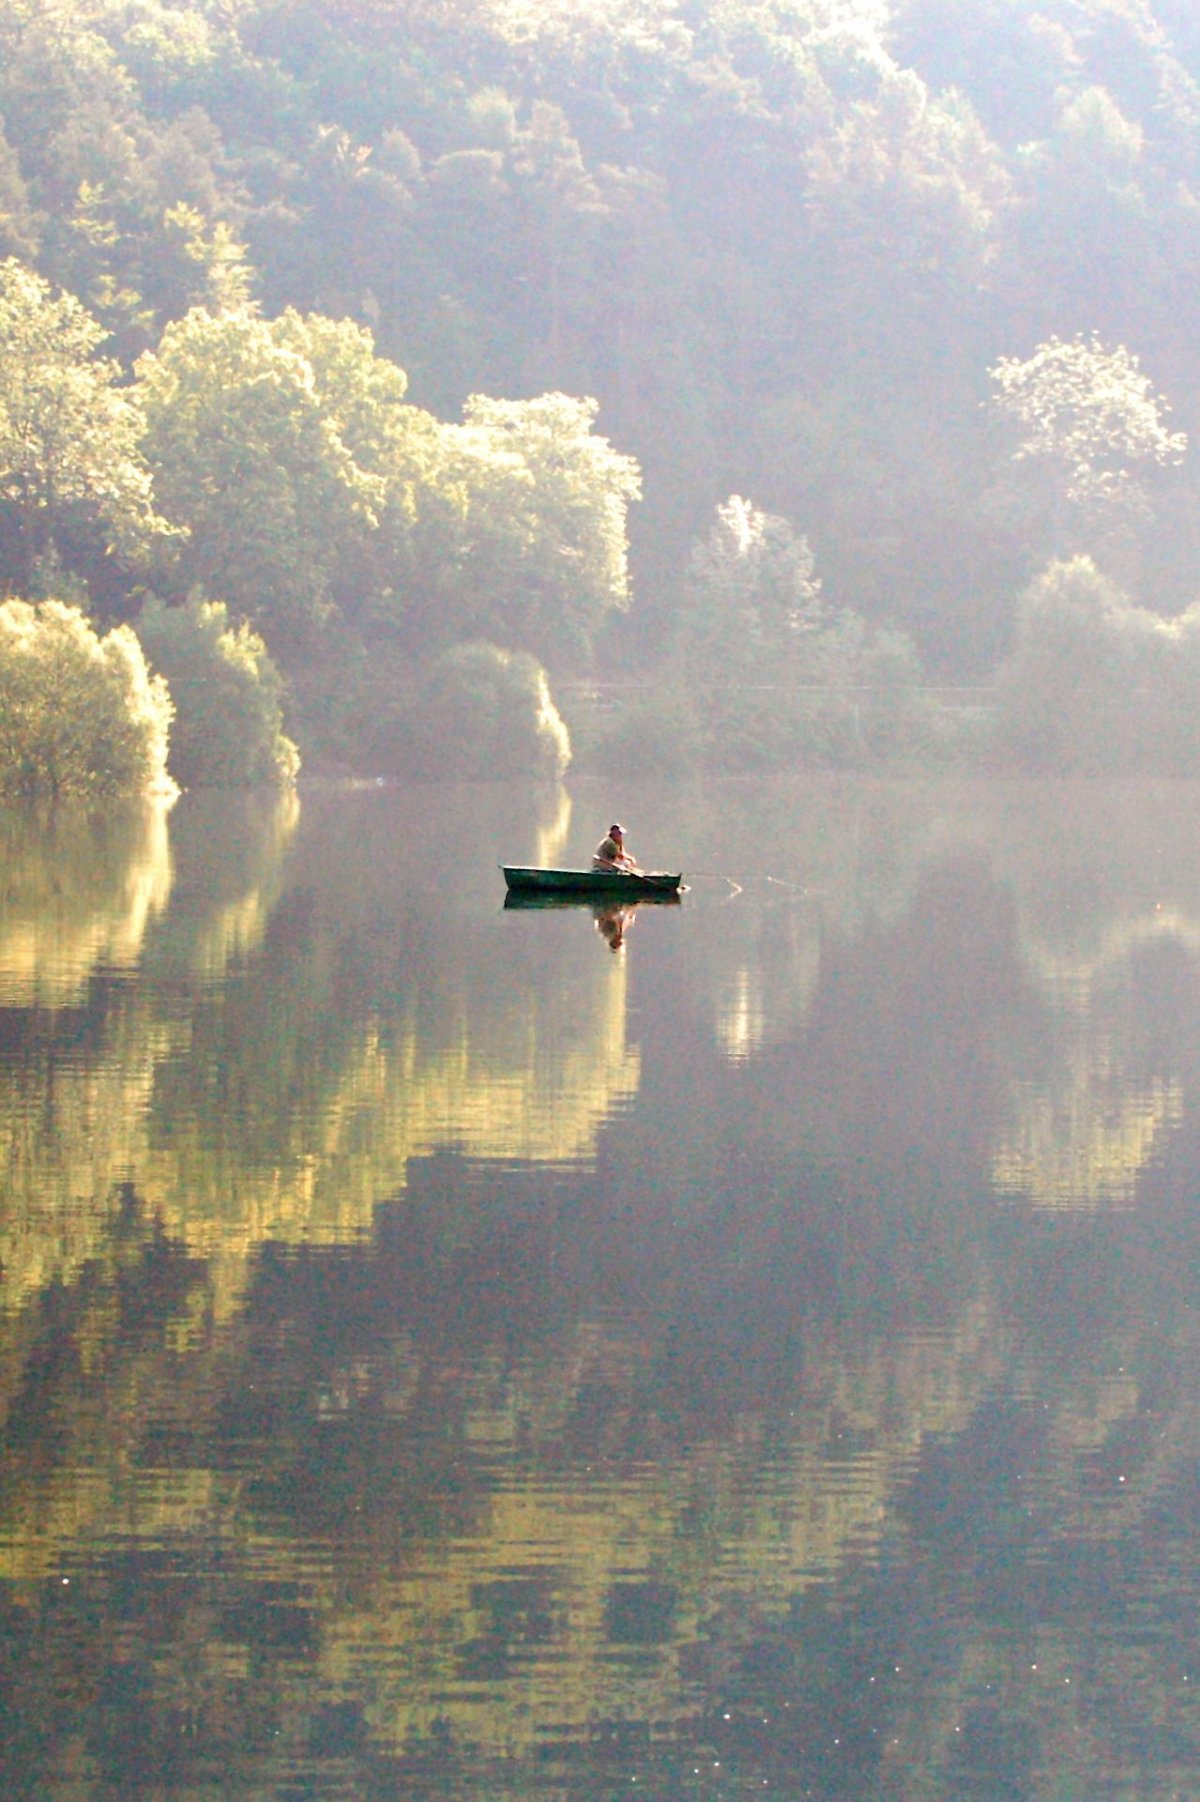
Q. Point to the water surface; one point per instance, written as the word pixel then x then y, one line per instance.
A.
pixel 741 1348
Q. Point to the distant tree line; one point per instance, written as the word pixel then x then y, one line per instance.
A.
pixel 878 311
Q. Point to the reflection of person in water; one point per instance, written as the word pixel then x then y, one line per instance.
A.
pixel 611 852
pixel 613 923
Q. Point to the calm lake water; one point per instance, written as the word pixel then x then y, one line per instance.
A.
pixel 751 1348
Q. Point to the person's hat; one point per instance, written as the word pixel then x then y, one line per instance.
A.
pixel 616 828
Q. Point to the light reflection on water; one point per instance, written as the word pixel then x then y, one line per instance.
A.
pixel 77 894
pixel 440 1356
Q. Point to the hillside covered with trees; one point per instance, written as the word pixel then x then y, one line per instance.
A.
pixel 746 354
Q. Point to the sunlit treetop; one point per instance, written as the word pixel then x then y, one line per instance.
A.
pixel 69 435
pixel 1087 408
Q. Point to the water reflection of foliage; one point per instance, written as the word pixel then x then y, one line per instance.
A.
pixel 229 852
pixel 311 1044
pixel 1117 961
pixel 1104 887
pixel 516 1469
pixel 1085 1141
pixel 71 1119
pixel 913 1028
pixel 80 1369
pixel 78 1087
pixel 78 890
pixel 482 1514
pixel 1058 1535
pixel 301 1103
pixel 391 1432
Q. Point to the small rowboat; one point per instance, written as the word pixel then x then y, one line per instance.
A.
pixel 617 885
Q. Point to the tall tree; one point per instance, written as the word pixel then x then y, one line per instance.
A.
pixel 1097 685
pixel 80 714
pixel 534 552
pixel 250 460
pixel 70 436
pixel 1088 427
pixel 752 592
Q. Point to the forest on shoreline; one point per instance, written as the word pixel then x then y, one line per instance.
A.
pixel 388 369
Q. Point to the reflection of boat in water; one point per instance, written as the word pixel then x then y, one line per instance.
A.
pixel 613 914
pixel 583 885
pixel 527 899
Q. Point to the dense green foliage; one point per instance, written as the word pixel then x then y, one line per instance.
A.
pixel 341 519
pixel 69 437
pixel 752 600
pixel 80 714
pixel 1098 686
pixel 774 674
pixel 915 274
pixel 252 464
pixel 1088 429
pixel 227 695
pixel 477 712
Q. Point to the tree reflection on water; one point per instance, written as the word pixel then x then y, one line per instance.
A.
pixel 454 1368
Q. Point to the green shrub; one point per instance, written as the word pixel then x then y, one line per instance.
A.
pixel 1097 685
pixel 653 731
pixel 848 697
pixel 228 729
pixel 744 729
pixel 352 707
pixel 477 712
pixel 79 714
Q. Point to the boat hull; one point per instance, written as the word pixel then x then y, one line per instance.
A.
pixel 619 885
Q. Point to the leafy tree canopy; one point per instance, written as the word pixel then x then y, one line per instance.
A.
pixel 70 436
pixel 1097 685
pixel 481 712
pixel 80 714
pixel 250 461
pixel 520 528
pixel 752 591
pixel 733 222
pixel 226 694
pixel 1089 422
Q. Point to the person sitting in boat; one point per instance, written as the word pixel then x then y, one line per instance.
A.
pixel 611 852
